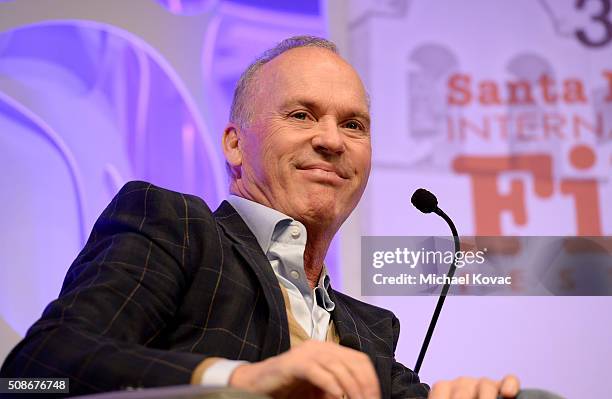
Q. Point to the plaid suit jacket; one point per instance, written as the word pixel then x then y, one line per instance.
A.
pixel 162 284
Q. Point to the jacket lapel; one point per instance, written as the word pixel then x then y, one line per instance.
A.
pixel 277 334
pixel 352 332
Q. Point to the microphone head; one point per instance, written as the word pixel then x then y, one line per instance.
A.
pixel 424 201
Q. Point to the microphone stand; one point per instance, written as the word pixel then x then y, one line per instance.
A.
pixel 445 288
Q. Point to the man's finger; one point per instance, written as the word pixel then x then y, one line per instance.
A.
pixel 510 386
pixel 364 372
pixel 488 389
pixel 352 370
pixel 440 390
pixel 321 378
pixel 348 381
pixel 465 387
pixel 362 375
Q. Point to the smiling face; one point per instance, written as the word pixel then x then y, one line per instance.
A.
pixel 306 152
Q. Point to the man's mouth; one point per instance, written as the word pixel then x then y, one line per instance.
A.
pixel 324 169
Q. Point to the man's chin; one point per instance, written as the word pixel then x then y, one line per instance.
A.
pixel 319 210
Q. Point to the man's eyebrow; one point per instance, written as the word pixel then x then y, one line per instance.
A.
pixel 359 114
pixel 292 102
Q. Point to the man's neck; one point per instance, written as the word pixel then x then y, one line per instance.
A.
pixel 317 245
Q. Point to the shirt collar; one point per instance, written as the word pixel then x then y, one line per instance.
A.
pixel 260 219
pixel 322 291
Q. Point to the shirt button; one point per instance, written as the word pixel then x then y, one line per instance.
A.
pixel 295 274
pixel 295 232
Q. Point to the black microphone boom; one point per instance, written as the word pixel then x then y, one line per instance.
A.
pixel 426 202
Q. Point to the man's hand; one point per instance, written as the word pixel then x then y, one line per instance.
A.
pixel 472 388
pixel 311 370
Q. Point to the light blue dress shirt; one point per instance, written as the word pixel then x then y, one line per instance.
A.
pixel 283 240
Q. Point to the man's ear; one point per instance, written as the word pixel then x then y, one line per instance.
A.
pixel 231 147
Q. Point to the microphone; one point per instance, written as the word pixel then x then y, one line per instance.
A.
pixel 426 202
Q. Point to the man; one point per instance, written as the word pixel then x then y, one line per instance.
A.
pixel 167 292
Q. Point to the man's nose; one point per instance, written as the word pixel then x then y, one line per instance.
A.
pixel 329 139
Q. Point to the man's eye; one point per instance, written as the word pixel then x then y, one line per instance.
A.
pixel 353 125
pixel 300 115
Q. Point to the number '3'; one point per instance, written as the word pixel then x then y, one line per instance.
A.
pixel 602 19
